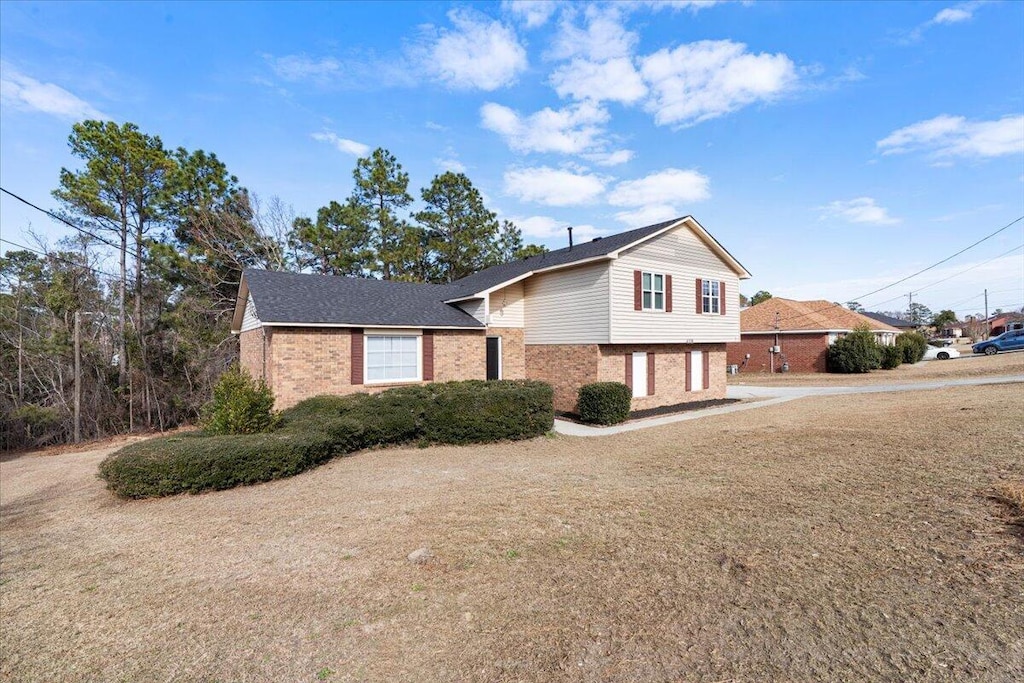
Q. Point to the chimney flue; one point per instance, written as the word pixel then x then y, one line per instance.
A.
pixel 570 238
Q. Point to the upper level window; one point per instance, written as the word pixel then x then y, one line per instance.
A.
pixel 392 358
pixel 653 289
pixel 711 296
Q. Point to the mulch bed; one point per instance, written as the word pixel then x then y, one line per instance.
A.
pixel 659 411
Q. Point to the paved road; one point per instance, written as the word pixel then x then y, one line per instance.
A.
pixel 773 396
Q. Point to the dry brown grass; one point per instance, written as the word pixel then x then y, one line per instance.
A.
pixel 1012 493
pixel 847 538
pixel 966 366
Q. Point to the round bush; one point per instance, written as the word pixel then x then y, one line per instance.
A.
pixel 857 352
pixel 913 344
pixel 604 403
pixel 892 357
pixel 240 405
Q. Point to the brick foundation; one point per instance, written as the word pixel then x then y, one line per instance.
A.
pixel 566 367
pixel 806 352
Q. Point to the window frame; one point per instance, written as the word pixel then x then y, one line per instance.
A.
pixel 711 297
pixel 368 336
pixel 652 291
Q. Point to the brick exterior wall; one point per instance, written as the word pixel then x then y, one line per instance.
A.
pixel 252 354
pixel 804 352
pixel 669 372
pixel 567 367
pixel 459 355
pixel 513 351
pixel 308 361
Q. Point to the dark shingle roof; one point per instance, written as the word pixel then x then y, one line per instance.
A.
pixel 491 277
pixel 889 320
pixel 328 299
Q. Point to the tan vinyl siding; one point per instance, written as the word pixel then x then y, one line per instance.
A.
pixel 568 306
pixel 250 321
pixel 681 254
pixel 507 308
pixel 476 308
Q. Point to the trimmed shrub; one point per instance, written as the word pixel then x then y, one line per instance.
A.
pixel 604 403
pixel 319 428
pixel 892 357
pixel 857 352
pixel 482 412
pixel 913 345
pixel 240 405
pixel 190 464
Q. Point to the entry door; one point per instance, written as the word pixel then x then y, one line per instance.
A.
pixel 494 358
pixel 639 373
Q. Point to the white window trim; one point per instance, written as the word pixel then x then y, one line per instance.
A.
pixel 392 333
pixel 710 297
pixel 652 290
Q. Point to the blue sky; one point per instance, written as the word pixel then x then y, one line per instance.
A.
pixel 833 148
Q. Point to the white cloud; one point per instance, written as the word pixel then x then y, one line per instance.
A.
pixel 295 68
pixel 661 188
pixel 554 232
pixel 554 187
pixel 955 136
pixel 571 130
pixel 703 80
pixel 616 80
pixel 615 158
pixel 952 15
pixel 605 36
pixel 478 53
pixel 532 13
pixel 859 210
pixel 647 215
pixel 693 6
pixel 343 145
pixel 27 94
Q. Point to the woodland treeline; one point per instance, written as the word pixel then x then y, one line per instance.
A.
pixel 159 238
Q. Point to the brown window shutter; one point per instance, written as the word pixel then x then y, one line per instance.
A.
pixel 357 355
pixel 707 369
pixel 688 375
pixel 629 370
pixel 638 294
pixel 700 300
pixel 428 355
pixel 650 373
pixel 721 297
pixel 668 293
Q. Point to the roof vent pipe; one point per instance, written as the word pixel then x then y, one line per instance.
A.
pixel 570 238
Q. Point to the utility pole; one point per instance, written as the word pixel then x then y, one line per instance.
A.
pixel 78 377
pixel 988 324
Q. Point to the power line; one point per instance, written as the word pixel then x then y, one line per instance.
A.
pixel 939 263
pixel 60 258
pixel 59 218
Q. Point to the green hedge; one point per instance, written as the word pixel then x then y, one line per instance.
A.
pixel 194 463
pixel 892 357
pixel 319 428
pixel 857 352
pixel 604 403
pixel 913 344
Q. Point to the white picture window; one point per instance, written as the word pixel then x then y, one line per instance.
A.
pixel 712 296
pixel 653 288
pixel 392 358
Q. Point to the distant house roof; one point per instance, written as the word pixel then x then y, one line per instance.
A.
pixel 889 320
pixel 300 299
pixel 804 316
pixel 602 247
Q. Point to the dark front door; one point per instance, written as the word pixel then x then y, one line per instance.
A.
pixel 494 358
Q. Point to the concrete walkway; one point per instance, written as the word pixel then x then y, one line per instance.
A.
pixel 771 396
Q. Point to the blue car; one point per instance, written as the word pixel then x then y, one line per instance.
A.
pixel 1007 341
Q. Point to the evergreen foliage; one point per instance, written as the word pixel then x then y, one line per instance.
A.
pixel 240 405
pixel 857 352
pixel 604 403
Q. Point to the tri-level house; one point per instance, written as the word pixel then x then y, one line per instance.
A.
pixel 652 307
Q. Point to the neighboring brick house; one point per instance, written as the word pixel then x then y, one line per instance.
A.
pixel 652 307
pixel 796 333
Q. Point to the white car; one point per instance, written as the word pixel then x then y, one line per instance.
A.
pixel 945 353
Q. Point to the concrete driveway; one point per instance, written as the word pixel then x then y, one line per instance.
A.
pixel 759 397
